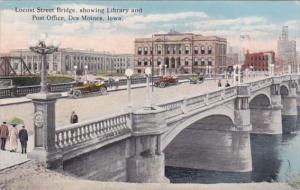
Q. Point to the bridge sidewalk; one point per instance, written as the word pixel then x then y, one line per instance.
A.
pixel 18 100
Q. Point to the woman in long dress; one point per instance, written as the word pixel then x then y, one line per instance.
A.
pixel 13 138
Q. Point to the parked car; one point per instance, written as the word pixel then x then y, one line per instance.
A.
pixel 82 88
pixel 166 81
pixel 196 79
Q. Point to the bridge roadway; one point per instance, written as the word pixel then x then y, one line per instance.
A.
pixel 92 107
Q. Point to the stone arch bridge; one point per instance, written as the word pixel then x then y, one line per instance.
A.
pixel 209 131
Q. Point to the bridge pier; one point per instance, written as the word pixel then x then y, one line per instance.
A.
pixel 289 111
pixel 242 127
pixel 147 165
pixel 44 150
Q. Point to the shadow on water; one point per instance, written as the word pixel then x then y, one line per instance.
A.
pixel 274 158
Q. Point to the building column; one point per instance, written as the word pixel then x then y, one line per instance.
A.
pixel 44 150
pixel 289 111
pixel 147 165
pixel 241 130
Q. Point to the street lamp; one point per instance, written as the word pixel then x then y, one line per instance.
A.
pixel 160 68
pixel 148 72
pixel 166 69
pixel 85 71
pixel 75 72
pixel 43 47
pixel 129 73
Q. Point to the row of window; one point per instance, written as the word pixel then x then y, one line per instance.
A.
pixel 186 62
pixel 169 50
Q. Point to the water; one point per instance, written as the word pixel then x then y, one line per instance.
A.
pixel 274 158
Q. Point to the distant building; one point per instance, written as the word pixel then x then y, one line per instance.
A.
pixel 122 61
pixel 258 61
pixel 286 49
pixel 65 59
pixel 180 53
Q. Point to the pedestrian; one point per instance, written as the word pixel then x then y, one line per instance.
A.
pixel 4 132
pixel 23 136
pixel 110 82
pixel 13 138
pixel 227 84
pixel 219 83
pixel 74 117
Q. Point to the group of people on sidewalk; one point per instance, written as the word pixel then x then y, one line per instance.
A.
pixel 12 134
pixel 220 84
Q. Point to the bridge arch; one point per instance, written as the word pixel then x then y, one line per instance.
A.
pixel 284 90
pixel 210 144
pixel 261 99
pixel 223 111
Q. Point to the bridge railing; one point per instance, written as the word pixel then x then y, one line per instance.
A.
pixel 177 107
pixel 24 90
pixel 103 129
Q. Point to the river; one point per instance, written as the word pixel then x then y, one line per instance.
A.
pixel 274 158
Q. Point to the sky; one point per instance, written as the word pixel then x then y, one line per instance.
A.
pixel 260 20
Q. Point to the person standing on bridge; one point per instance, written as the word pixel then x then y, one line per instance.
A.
pixel 13 138
pixel 227 84
pixel 219 84
pixel 3 134
pixel 23 136
pixel 74 117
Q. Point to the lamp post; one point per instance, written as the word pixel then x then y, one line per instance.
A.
pixel 75 72
pixel 85 71
pixel 166 69
pixel 44 150
pixel 43 47
pixel 160 67
pixel 148 72
pixel 239 73
pixel 129 73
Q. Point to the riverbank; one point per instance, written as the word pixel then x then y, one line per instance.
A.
pixel 35 177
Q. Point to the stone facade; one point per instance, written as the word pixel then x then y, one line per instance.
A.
pixel 122 61
pixel 286 50
pixel 65 59
pixel 181 53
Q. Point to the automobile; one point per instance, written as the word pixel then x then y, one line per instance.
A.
pixel 196 79
pixel 166 81
pixel 86 87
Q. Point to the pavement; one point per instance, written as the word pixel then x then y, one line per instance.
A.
pixel 95 106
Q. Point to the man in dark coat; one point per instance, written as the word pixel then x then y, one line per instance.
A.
pixel 74 117
pixel 4 132
pixel 23 136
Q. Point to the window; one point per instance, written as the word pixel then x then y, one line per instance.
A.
pixel 202 62
pixel 158 62
pixel 209 49
pixel 179 51
pixel 168 50
pixel 151 52
pixel 139 71
pixel 174 50
pixel 145 51
pixel 140 51
pixel 159 50
pixel 139 62
pixel 196 62
pixel 186 61
pixel 209 61
pixel 196 50
pixel 145 63
pixel 202 50
pixel 187 50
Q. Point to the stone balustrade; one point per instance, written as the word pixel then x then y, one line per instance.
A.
pixel 105 128
pixel 24 90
